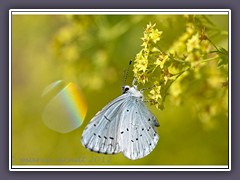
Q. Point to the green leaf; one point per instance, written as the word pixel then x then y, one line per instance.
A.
pixel 223 57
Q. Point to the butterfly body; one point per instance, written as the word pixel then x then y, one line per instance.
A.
pixel 124 125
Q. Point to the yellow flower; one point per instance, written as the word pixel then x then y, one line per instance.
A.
pixel 155 49
pixel 149 48
pixel 150 34
pixel 205 46
pixel 155 35
pixel 143 79
pixel 140 63
pixel 190 28
pixel 166 76
pixel 155 93
pixel 161 60
pixel 145 40
pixel 193 43
pixel 149 27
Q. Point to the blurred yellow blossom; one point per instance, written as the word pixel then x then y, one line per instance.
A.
pixel 193 43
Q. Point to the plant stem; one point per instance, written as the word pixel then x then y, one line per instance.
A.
pixel 172 82
pixel 213 44
pixel 209 59
pixel 180 73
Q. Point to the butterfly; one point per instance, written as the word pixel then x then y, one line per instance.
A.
pixel 124 125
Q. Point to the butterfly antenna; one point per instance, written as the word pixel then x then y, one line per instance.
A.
pixel 123 77
pixel 126 73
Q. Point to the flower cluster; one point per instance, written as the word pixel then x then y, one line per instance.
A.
pixel 142 61
pixel 155 96
pixel 190 58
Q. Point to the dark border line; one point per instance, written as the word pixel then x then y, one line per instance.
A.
pixel 121 11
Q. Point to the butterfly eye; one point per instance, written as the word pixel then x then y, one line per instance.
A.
pixel 125 89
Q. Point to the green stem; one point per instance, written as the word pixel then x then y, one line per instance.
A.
pixel 213 44
pixel 172 82
pixel 180 73
pixel 209 59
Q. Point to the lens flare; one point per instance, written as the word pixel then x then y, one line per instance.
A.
pixel 66 111
pixel 51 87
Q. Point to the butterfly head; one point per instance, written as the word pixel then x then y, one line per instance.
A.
pixel 133 91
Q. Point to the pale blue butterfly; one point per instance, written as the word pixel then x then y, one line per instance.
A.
pixel 124 125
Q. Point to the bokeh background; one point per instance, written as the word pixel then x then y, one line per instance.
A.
pixel 92 51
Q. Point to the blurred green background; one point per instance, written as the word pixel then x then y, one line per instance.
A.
pixel 92 51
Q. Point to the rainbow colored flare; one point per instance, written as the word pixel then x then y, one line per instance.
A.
pixel 66 111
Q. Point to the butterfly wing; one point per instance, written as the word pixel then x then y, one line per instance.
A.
pixel 138 136
pixel 101 133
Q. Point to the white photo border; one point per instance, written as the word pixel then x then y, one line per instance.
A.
pixel 111 12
